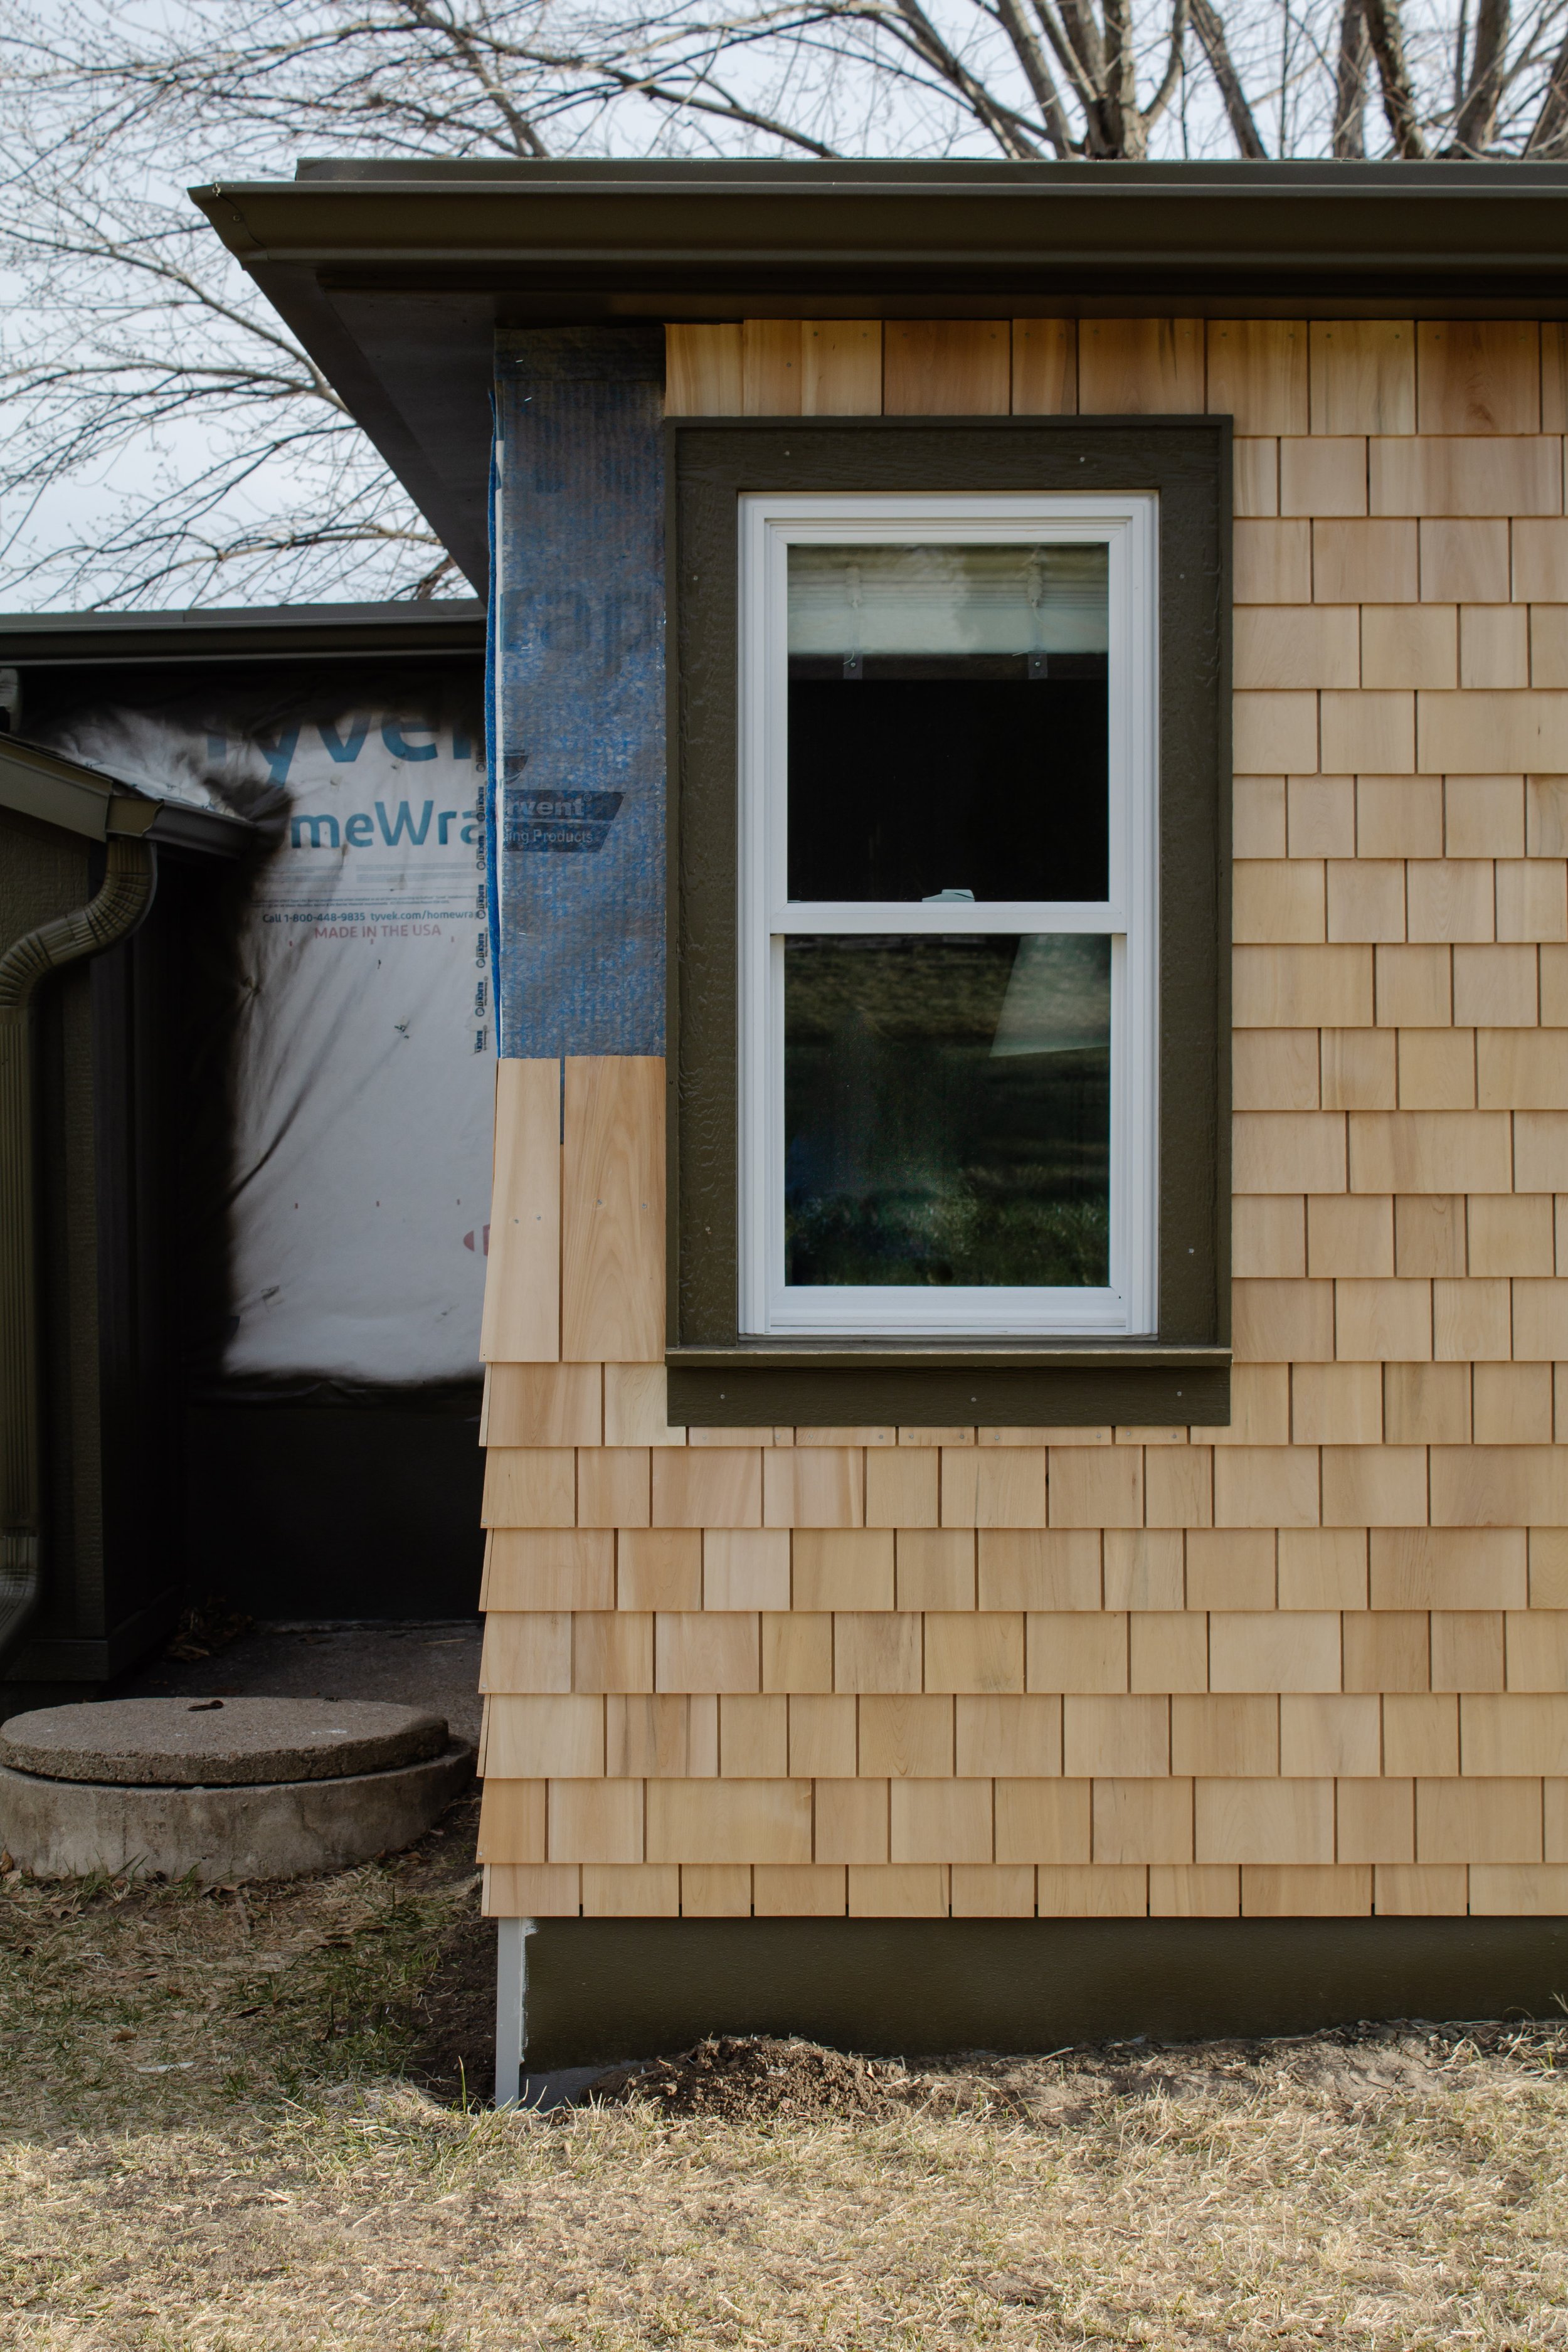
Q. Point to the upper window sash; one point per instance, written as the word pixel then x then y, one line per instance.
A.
pixel 1127 526
pixel 771 525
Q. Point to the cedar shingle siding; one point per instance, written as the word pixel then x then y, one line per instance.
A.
pixel 1314 1661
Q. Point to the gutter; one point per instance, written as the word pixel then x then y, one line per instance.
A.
pixel 303 632
pixel 40 784
pixel 613 239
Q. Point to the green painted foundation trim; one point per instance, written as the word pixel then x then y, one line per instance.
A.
pixel 602 1989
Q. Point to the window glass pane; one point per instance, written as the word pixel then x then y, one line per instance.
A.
pixel 947 721
pixel 947 1112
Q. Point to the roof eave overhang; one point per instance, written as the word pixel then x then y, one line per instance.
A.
pixel 617 237
pixel 396 276
pixel 242 635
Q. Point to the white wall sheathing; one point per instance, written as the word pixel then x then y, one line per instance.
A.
pixel 363 1068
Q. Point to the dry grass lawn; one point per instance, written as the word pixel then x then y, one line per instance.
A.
pixel 213 2134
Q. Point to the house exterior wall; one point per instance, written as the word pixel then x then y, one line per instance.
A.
pixel 1315 1662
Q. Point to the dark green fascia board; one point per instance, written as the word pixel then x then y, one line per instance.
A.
pixel 613 239
pixel 242 634
pixel 39 783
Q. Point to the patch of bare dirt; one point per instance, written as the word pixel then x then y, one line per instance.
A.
pixel 752 2078
pixel 453 2019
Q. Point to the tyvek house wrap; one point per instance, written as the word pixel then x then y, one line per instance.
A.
pixel 361 1045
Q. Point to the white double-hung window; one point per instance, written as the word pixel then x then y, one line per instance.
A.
pixel 948 918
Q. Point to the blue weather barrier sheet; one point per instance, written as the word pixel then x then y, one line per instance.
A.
pixel 577 691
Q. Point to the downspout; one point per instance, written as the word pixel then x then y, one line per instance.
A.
pixel 123 899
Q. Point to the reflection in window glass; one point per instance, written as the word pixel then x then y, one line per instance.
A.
pixel 947 1110
pixel 947 721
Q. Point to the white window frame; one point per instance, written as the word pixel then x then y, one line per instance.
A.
pixel 1127 523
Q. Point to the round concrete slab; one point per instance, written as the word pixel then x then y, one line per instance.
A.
pixel 217 1743
pixel 70 1828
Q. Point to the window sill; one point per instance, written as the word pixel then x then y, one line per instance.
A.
pixel 935 1383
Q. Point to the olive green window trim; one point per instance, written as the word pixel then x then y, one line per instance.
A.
pixel 718 1378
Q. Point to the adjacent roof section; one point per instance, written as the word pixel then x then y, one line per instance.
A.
pixel 395 275
pixel 241 633
pixel 38 782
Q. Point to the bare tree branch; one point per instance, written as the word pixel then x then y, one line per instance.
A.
pixel 1088 40
pixel 166 439
pixel 482 66
pixel 998 121
pixel 1210 31
pixel 1079 67
pixel 1123 115
pixel 1386 31
pixel 1038 74
pixel 1475 126
pixel 1349 136
pixel 1548 133
pixel 1176 66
